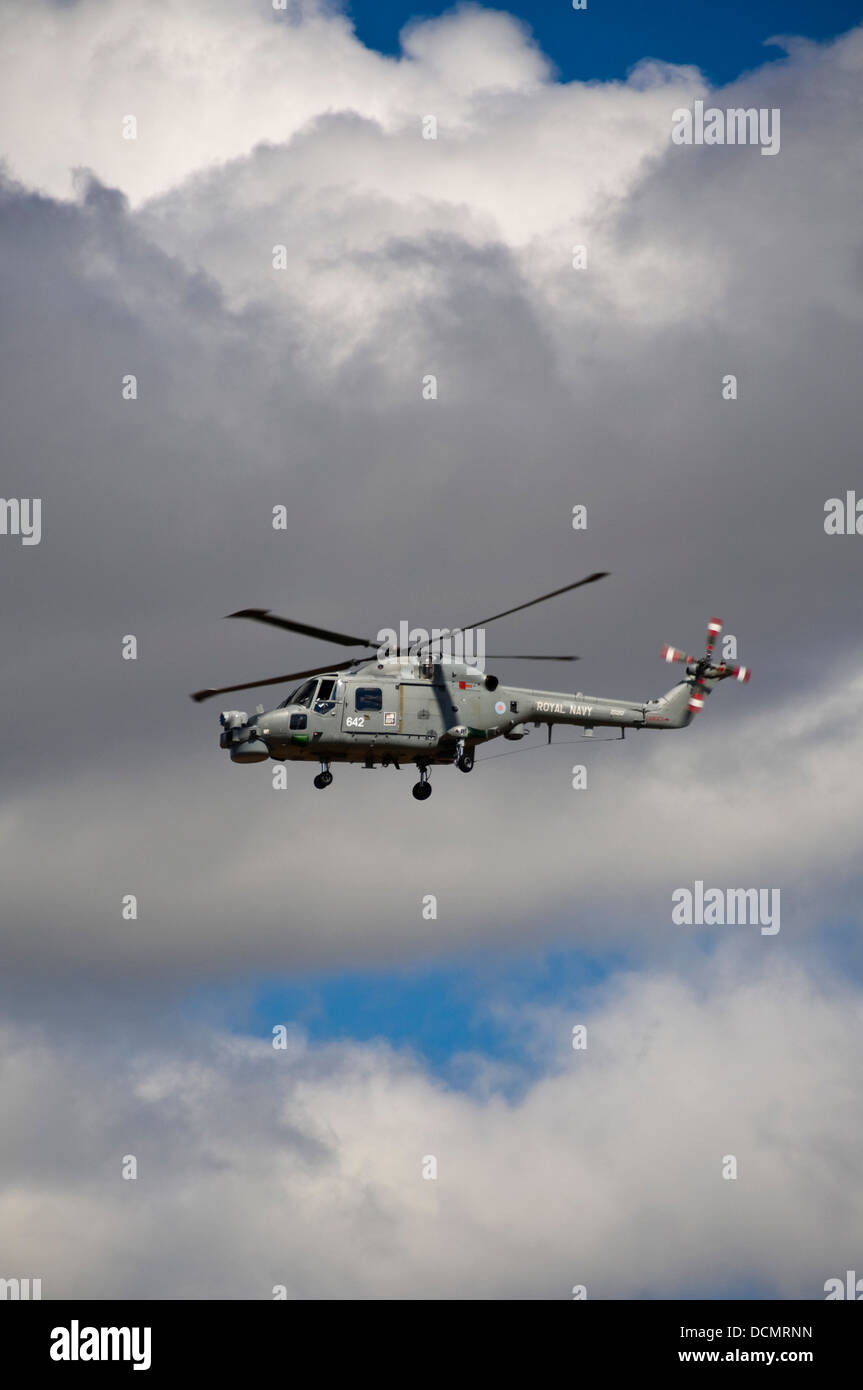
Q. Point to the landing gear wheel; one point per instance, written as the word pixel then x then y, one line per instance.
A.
pixel 465 762
pixel 422 791
pixel 323 779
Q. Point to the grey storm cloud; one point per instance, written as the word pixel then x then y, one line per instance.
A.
pixel 302 388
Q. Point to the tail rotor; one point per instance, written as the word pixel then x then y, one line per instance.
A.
pixel 703 671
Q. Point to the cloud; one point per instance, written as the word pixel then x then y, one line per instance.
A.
pixel 241 877
pixel 208 81
pixel 258 388
pixel 302 388
pixel 303 1167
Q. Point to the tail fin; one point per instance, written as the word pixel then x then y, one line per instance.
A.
pixel 673 710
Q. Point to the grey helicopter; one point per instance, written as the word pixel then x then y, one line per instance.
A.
pixel 418 705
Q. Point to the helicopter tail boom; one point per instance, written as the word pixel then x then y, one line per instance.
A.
pixel 674 709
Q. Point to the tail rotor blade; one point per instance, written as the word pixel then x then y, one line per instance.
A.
pixel 675 654
pixel 697 696
pixel 714 627
pixel 740 673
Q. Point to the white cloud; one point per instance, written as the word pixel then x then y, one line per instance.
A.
pixel 259 1167
pixel 209 79
pixel 302 388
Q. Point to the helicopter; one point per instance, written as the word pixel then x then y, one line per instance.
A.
pixel 417 705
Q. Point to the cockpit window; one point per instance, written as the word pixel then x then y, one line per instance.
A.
pixel 325 702
pixel 301 696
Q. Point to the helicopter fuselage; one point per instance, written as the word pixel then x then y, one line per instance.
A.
pixel 399 710
pixel 423 706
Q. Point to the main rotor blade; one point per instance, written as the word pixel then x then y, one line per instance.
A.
pixel 591 579
pixel 533 658
pixel 199 695
pixel 263 615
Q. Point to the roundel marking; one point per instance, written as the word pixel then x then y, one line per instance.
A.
pixel 500 707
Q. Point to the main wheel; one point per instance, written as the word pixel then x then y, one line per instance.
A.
pixel 465 762
pixel 323 779
pixel 422 791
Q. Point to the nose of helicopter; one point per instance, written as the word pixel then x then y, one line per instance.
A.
pixel 240 736
pixel 253 750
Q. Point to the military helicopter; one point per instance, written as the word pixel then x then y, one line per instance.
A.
pixel 417 705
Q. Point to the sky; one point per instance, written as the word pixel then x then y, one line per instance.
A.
pixel 264 909
pixel 613 35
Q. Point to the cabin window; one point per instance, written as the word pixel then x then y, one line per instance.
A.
pixel 369 698
pixel 299 721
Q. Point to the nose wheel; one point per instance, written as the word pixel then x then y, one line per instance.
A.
pixel 422 791
pixel 324 777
